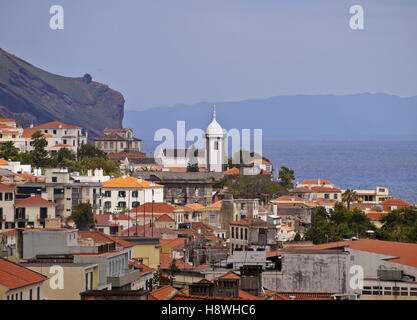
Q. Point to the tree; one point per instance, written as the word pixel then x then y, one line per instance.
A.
pixel 348 197
pixel 173 269
pixel 65 153
pixel 399 225
pixel 192 167
pixel 83 216
pixel 9 151
pixel 39 154
pixel 156 280
pixel 89 151
pixel 254 186
pixel 286 177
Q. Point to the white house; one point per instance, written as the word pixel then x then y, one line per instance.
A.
pixel 129 192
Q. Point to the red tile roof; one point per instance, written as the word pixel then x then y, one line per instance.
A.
pixel 326 189
pixel 165 218
pixel 34 201
pixel 129 182
pixel 56 125
pixel 14 276
pixel 288 199
pixel 101 237
pixel 232 171
pixel 374 216
pixel 402 253
pixel 195 206
pixel 399 203
pixel 316 181
pixel 164 293
pixel 6 186
pixel 155 207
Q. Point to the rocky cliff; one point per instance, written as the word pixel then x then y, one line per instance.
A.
pixel 33 96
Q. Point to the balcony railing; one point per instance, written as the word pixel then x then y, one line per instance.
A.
pixel 59 195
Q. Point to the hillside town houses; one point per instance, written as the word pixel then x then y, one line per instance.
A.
pixel 163 232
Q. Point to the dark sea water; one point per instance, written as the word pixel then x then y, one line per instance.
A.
pixel 351 164
pixel 347 164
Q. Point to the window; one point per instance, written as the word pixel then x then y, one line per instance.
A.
pixel 30 294
pixel 1 196
pixel 326 196
pixel 335 196
pixel 107 194
pixel 8 196
pixel 246 234
pixel 243 206
pixel 135 204
pixel 122 194
pixel 38 292
pixel 241 233
pixel 43 213
pixel 21 295
pixel 135 194
pixel 86 282
pixel 233 232
pixel 121 204
pixel 54 131
pixel 91 280
pixel 216 145
pixel 54 179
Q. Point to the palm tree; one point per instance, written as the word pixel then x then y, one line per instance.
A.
pixel 349 196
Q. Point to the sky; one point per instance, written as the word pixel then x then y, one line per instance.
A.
pixel 166 52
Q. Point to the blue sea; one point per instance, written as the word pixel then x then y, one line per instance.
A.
pixel 351 164
pixel 347 164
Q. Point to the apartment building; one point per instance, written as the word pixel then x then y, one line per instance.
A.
pixel 128 192
pixel 118 140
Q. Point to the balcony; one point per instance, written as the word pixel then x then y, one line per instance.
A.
pixel 59 196
pixel 124 278
pixel 60 207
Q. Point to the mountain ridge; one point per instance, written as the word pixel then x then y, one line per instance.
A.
pixel 34 96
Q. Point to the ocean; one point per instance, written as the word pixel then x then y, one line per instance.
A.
pixel 347 164
pixel 351 164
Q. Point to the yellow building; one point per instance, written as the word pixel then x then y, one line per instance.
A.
pixel 145 249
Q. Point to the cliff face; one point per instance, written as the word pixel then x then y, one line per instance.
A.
pixel 33 96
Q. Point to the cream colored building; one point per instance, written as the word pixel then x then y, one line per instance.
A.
pixel 128 192
pixel 7 198
pixel 33 212
pixel 76 278
pixel 376 196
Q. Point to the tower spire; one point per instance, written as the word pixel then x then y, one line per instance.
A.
pixel 214 111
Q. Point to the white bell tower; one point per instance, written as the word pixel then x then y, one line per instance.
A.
pixel 214 145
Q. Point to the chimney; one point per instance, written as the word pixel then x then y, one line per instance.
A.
pixel 251 279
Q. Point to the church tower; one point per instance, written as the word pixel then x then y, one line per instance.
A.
pixel 214 145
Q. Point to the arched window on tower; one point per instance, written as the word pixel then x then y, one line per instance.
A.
pixel 216 145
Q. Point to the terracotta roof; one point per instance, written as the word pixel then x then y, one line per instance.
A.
pixel 164 293
pixel 229 275
pixel 172 242
pixel 291 199
pixel 149 232
pixel 129 182
pixel 402 253
pixel 270 254
pixel 62 146
pixel 103 219
pixel 325 189
pixel 56 125
pixel 137 265
pixel 6 186
pixel 155 207
pixel 374 216
pixel 34 201
pixel 165 261
pixel 399 203
pixel 301 296
pixel 325 202
pixel 216 205
pixel 165 218
pixel 28 132
pixel 14 276
pixel 4 162
pixel 30 178
pixel 232 171
pixel 104 238
pixel 316 181
pixel 195 206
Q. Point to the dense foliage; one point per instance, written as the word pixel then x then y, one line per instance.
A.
pixel 83 216
pixel 337 225
pixel 399 225
pixel 87 157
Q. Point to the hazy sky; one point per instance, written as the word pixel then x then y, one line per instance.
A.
pixel 164 52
